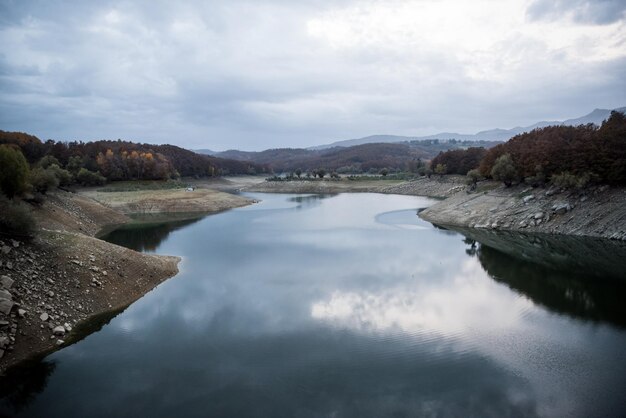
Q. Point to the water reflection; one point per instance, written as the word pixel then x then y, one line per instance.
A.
pixel 349 306
pixel 146 234
pixel 557 272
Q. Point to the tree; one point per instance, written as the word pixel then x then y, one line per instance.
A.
pixel 298 172
pixel 89 178
pixel 440 169
pixel 47 161
pixel 504 170
pixel 384 172
pixel 473 177
pixel 74 164
pixel 321 173
pixel 43 180
pixel 14 172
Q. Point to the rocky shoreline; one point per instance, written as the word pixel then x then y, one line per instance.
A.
pixel 597 211
pixel 64 276
pixel 438 187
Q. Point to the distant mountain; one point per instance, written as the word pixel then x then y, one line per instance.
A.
pixel 205 151
pixel 596 117
pixel 357 158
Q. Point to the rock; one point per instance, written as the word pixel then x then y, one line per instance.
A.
pixel 4 341
pixel 9 265
pixel 4 323
pixel 528 198
pixel 561 208
pixel 5 294
pixel 94 268
pixel 59 331
pixel 21 313
pixel 60 342
pixel 78 263
pixel 538 215
pixel 44 317
pixel 6 249
pixel 523 224
pixel 5 306
pixel 50 294
pixel 6 282
pixel 68 327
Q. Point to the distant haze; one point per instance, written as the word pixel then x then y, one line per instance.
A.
pixel 266 74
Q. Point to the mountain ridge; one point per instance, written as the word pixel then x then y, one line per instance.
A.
pixel 596 116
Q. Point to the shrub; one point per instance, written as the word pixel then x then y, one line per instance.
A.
pixel 63 176
pixel 14 173
pixel 570 181
pixel 504 170
pixel 47 161
pixel 89 178
pixel 473 177
pixel 43 180
pixel 15 217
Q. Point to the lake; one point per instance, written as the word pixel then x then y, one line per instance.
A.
pixel 349 305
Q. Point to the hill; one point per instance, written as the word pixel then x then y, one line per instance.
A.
pixel 125 160
pixel 597 116
pixel 354 159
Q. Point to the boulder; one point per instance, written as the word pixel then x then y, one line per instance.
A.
pixel 561 208
pixel 6 282
pixel 59 331
pixel 538 215
pixel 44 317
pixel 5 306
pixel 528 198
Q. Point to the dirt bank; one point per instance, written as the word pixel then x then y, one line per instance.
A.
pixel 598 211
pixel 64 275
pixel 433 187
pixel 167 201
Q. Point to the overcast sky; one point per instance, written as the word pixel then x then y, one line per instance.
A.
pixel 253 74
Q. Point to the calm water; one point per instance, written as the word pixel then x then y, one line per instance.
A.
pixel 348 306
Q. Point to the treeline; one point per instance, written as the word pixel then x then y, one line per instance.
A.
pixel 367 158
pixel 357 159
pixel 570 155
pixel 459 161
pixel 124 160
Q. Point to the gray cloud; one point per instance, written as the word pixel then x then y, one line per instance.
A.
pixel 253 75
pixel 600 12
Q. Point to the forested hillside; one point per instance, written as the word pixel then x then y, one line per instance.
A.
pixel 355 159
pixel 124 160
pixel 572 155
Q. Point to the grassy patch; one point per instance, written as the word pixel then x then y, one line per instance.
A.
pixel 133 186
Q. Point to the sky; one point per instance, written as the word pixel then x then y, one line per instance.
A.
pixel 255 74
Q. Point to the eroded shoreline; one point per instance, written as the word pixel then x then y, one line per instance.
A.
pixel 66 275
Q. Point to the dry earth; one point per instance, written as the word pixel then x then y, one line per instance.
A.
pixel 167 201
